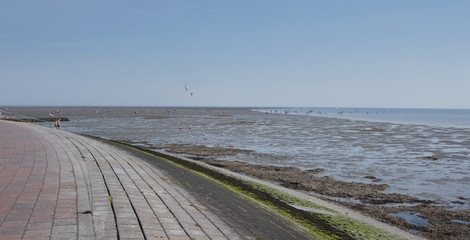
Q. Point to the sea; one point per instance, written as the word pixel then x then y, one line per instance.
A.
pixel 426 116
pixel 419 152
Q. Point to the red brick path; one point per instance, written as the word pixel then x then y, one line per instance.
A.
pixel 37 186
pixel 59 185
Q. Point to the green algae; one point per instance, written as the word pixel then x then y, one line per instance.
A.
pixel 330 225
pixel 352 228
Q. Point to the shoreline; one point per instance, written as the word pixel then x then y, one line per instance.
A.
pixel 331 218
pixel 409 213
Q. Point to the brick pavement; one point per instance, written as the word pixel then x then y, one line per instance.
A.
pixel 59 185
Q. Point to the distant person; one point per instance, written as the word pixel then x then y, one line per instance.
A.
pixel 57 124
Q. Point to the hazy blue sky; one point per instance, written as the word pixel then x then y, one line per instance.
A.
pixel 236 53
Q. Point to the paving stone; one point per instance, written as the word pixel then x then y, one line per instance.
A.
pixel 67 236
pixel 85 228
pixel 65 222
pixel 196 233
pixel 17 217
pixel 172 232
pixel 177 237
pixel 39 226
pixel 37 233
pixel 64 229
pixel 205 238
pixel 12 231
pixel 171 226
pixel 62 184
pixel 130 233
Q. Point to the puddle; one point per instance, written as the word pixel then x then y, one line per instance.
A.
pixel 412 218
pixel 459 221
pixel 416 231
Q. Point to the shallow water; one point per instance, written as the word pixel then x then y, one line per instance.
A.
pixel 436 117
pixel 427 161
pixel 460 221
pixel 412 218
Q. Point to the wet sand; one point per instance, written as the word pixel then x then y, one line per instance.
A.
pixel 413 176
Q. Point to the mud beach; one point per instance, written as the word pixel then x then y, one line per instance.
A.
pixel 405 211
pixel 412 176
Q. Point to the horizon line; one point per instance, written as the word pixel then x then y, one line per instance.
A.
pixel 188 106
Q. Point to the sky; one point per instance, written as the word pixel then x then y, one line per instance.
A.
pixel 302 53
